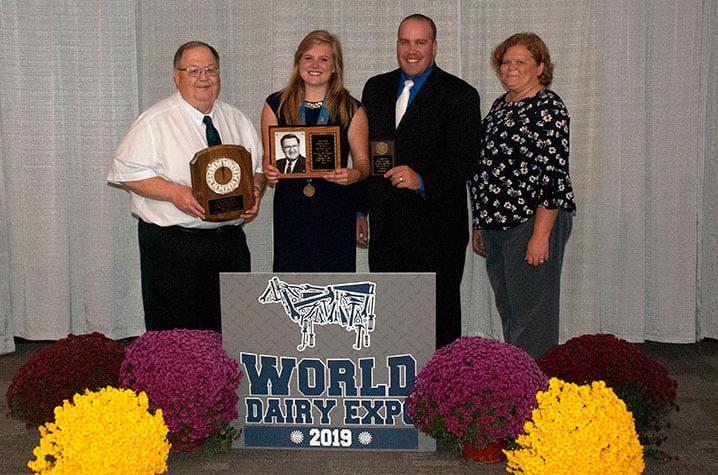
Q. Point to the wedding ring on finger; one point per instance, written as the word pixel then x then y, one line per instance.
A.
pixel 401 178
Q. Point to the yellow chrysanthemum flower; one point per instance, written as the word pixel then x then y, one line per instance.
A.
pixel 109 431
pixel 577 429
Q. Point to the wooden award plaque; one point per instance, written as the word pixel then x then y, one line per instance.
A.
pixel 222 179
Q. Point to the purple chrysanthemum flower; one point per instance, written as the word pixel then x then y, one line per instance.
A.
pixel 190 377
pixel 475 390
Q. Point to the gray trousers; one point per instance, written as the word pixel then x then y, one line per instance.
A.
pixel 527 297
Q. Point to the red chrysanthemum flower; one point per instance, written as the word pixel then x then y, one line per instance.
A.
pixel 58 371
pixel 642 382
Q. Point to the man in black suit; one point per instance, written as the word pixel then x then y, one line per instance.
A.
pixel 293 161
pixel 418 211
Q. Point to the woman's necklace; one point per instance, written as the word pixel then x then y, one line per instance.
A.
pixel 313 104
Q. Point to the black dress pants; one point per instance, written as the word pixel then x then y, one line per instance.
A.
pixel 387 255
pixel 180 273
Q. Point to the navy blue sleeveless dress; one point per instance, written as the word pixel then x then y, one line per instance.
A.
pixel 314 234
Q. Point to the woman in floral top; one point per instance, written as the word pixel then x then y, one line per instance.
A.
pixel 522 195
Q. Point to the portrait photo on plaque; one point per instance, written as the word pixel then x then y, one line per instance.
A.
pixel 306 151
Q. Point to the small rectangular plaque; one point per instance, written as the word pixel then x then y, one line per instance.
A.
pixel 383 156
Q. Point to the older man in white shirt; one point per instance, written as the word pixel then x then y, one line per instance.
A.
pixel 181 255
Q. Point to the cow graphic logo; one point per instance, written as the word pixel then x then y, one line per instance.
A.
pixel 349 305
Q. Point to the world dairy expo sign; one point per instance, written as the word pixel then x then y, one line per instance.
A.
pixel 328 359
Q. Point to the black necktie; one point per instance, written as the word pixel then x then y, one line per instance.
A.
pixel 212 134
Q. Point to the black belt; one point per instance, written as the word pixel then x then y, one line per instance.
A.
pixel 206 231
pixel 202 231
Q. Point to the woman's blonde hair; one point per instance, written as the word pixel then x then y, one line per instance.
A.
pixel 338 100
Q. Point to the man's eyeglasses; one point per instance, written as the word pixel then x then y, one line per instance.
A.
pixel 194 71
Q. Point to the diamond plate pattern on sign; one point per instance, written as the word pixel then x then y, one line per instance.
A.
pixel 404 309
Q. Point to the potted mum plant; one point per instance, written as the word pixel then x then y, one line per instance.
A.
pixel 577 429
pixel 640 381
pixel 188 375
pixel 474 394
pixel 58 371
pixel 103 432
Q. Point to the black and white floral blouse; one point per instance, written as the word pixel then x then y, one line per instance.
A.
pixel 523 163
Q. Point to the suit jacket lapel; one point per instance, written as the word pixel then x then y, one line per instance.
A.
pixel 390 92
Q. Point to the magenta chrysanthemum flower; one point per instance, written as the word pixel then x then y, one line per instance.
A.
pixel 190 377
pixel 475 390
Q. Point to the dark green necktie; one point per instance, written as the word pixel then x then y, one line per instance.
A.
pixel 212 134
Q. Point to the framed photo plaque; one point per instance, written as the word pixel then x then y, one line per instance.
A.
pixel 305 151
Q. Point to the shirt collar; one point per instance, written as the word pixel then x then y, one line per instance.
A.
pixel 418 80
pixel 194 113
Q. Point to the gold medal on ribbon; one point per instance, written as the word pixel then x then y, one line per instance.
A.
pixel 309 190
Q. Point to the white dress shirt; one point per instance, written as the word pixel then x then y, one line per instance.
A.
pixel 163 140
